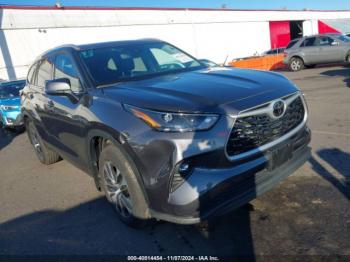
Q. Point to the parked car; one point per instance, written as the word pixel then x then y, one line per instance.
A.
pixel 163 135
pixel 318 49
pixel 274 51
pixel 10 103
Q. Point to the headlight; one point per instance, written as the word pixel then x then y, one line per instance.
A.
pixel 174 122
pixel 8 108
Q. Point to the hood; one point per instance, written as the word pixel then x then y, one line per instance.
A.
pixel 13 101
pixel 210 90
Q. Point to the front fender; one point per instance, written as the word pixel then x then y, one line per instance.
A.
pixel 117 139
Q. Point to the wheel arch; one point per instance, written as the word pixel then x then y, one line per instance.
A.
pixel 298 56
pixel 97 139
pixel 347 55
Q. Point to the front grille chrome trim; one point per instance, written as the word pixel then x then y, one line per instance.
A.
pixel 253 111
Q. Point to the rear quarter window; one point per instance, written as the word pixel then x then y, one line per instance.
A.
pixel 309 42
pixel 291 44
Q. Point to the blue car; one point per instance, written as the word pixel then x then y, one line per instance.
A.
pixel 10 103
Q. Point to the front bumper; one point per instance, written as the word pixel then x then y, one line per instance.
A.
pixel 210 192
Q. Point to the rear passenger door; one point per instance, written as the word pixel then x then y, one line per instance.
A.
pixel 40 114
pixel 310 48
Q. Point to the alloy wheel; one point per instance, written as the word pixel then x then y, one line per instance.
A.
pixel 117 191
pixel 34 137
pixel 296 65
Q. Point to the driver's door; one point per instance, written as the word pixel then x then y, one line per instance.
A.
pixel 67 121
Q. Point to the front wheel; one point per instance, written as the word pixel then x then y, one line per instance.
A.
pixel 121 187
pixel 296 64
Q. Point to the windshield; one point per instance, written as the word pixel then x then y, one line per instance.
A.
pixel 11 89
pixel 343 38
pixel 112 64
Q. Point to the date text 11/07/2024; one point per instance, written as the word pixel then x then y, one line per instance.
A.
pixel 173 258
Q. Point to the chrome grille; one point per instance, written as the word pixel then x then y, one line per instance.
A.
pixel 251 132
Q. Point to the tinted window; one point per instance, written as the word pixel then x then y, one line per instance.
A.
pixel 11 89
pixel 292 43
pixel 64 68
pixel 309 42
pixel 44 72
pixel 325 40
pixel 115 63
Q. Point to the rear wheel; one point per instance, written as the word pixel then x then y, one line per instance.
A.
pixel 120 186
pixel 44 154
pixel 296 64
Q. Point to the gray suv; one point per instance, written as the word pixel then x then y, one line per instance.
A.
pixel 162 134
pixel 318 49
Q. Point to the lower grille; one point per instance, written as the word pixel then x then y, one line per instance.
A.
pixel 251 132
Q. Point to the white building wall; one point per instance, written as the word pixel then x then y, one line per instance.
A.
pixel 215 35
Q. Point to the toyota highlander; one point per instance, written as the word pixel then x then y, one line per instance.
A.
pixel 163 135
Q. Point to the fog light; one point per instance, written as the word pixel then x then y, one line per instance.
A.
pixel 179 177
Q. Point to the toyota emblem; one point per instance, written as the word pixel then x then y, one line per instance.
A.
pixel 278 108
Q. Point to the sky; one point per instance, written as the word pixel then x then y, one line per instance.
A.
pixel 234 4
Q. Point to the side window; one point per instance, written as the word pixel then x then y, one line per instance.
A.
pixel 309 42
pixel 325 41
pixel 64 68
pixel 330 40
pixel 44 73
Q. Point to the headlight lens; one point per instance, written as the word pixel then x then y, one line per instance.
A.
pixel 8 108
pixel 174 122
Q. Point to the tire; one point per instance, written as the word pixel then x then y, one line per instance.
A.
pixel 44 154
pixel 348 60
pixel 119 183
pixel 296 64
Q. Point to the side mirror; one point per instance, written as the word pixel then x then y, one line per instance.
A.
pixel 58 87
pixel 334 43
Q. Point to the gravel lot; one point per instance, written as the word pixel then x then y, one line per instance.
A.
pixel 56 209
